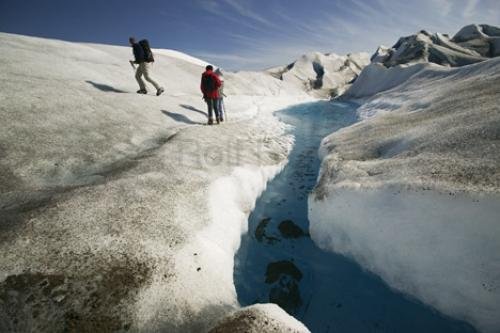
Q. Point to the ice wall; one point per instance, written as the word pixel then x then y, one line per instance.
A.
pixel 411 192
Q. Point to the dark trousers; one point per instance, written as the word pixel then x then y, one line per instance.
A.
pixel 212 105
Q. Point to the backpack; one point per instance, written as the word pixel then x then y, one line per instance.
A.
pixel 148 55
pixel 208 83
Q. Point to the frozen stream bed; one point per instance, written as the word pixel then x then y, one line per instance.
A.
pixel 279 263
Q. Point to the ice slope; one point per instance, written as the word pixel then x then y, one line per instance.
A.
pixel 473 43
pixel 114 207
pixel 376 78
pixel 391 67
pixel 483 38
pixel 412 192
pixel 322 75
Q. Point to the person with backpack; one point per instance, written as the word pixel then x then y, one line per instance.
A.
pixel 143 57
pixel 210 85
pixel 220 100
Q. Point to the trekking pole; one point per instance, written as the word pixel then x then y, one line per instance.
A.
pixel 224 106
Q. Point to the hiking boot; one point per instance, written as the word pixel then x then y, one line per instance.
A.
pixel 221 120
pixel 142 91
pixel 218 121
pixel 160 91
pixel 210 122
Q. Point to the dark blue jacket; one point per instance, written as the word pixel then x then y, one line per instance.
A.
pixel 139 55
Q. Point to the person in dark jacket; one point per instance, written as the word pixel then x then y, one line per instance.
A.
pixel 141 59
pixel 210 85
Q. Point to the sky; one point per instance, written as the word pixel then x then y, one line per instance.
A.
pixel 244 34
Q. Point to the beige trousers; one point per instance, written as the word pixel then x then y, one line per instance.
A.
pixel 144 69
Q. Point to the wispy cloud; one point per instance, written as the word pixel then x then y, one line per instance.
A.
pixel 445 7
pixel 242 8
pixel 470 8
pixel 236 12
pixel 219 57
pixel 273 33
pixel 210 6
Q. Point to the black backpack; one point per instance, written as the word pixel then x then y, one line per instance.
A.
pixel 208 83
pixel 148 55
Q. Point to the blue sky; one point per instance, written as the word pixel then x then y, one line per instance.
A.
pixel 244 34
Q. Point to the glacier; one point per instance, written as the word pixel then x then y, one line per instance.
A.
pixel 105 222
pixel 412 191
pixel 121 212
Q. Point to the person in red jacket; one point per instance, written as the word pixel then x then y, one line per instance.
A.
pixel 210 85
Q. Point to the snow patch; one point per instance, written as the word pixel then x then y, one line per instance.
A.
pixel 322 75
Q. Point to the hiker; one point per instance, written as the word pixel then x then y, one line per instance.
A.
pixel 210 85
pixel 220 100
pixel 143 57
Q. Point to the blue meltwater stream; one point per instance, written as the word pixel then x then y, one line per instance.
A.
pixel 279 263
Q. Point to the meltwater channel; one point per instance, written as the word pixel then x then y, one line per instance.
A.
pixel 279 263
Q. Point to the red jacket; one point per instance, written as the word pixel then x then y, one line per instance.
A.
pixel 210 93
